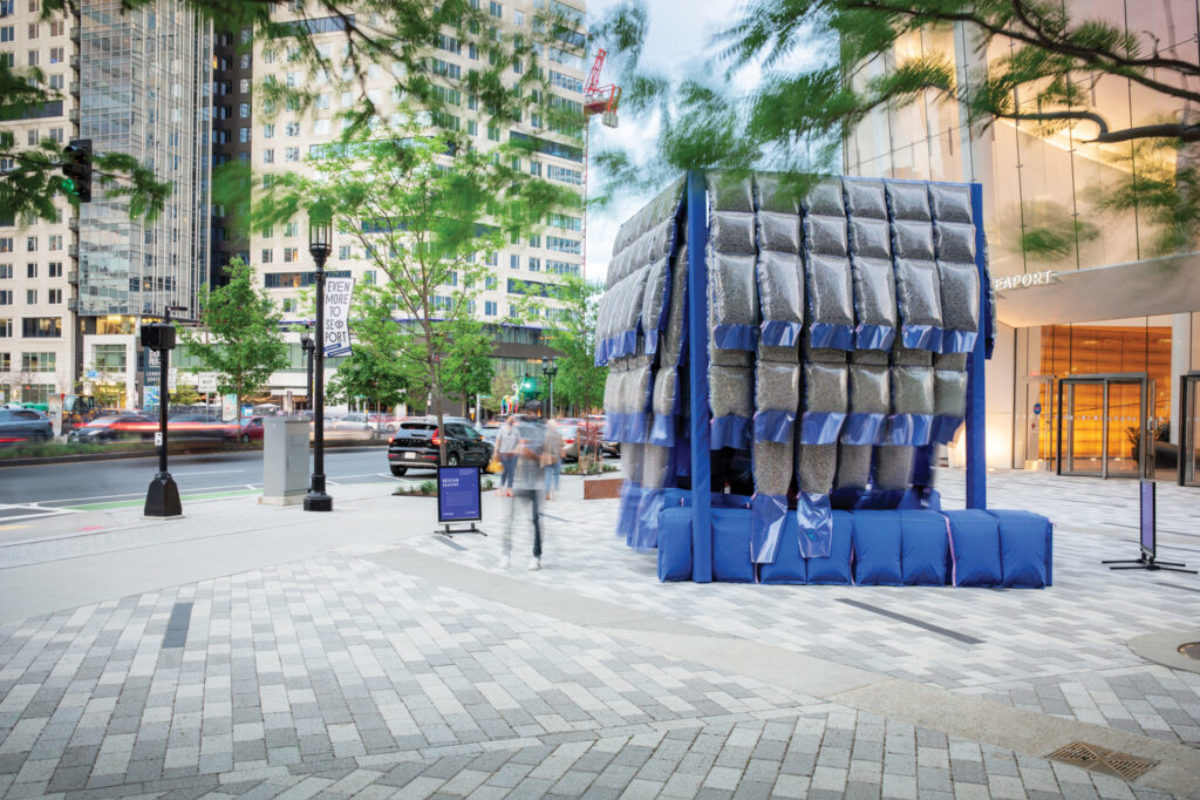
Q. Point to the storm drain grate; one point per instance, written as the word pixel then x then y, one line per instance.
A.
pixel 1101 759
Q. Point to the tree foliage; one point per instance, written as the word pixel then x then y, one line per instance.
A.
pixel 579 382
pixel 240 339
pixel 374 370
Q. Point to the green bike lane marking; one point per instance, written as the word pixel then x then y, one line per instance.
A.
pixel 131 503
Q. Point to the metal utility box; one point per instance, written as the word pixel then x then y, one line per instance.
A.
pixel 285 461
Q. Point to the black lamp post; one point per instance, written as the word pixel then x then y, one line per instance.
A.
pixel 308 346
pixel 162 499
pixel 320 237
pixel 550 369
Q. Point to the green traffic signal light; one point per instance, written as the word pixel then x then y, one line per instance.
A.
pixel 77 169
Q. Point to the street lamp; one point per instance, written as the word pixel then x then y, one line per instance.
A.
pixel 550 369
pixel 308 346
pixel 320 237
pixel 162 499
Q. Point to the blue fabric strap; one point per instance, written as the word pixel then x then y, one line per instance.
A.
pixel 780 333
pixel 631 497
pixel 662 432
pixel 773 425
pixel 821 427
pixel 734 337
pixel 831 335
pixel 921 337
pixel 815 515
pixel 958 341
pixel 862 428
pixel 874 337
pixel 909 429
pixel 730 431
pixel 944 428
pixel 768 513
pixel 645 536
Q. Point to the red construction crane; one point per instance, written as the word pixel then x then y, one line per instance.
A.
pixel 599 99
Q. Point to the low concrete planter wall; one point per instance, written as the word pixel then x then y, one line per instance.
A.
pixel 600 488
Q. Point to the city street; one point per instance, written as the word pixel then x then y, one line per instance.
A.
pixel 123 480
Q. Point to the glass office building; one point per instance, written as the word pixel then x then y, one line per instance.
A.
pixel 1098 360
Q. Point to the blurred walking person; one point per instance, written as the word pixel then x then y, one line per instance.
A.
pixel 527 481
pixel 506 451
pixel 552 458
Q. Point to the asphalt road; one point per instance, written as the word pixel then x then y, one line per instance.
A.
pixel 91 482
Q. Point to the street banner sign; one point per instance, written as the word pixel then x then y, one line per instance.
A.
pixel 337 316
pixel 459 494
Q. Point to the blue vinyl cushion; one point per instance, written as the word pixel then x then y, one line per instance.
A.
pixel 731 545
pixel 675 544
pixel 1024 548
pixel 975 548
pixel 877 548
pixel 925 550
pixel 835 569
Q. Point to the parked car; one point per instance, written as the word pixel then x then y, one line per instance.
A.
pixel 251 430
pixel 110 429
pixel 417 440
pixel 21 425
pixel 570 440
pixel 196 426
pixel 354 421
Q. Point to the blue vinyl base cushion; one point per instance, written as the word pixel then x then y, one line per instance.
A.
pixel 877 545
pixel 675 544
pixel 975 548
pixel 731 545
pixel 925 548
pixel 835 568
pixel 1025 542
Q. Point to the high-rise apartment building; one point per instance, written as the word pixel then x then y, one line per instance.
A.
pixel 74 292
pixel 284 139
pixel 1097 366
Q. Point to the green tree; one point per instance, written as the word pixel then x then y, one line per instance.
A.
pixel 579 382
pixel 374 370
pixel 501 387
pixel 428 212
pixel 467 362
pixel 814 91
pixel 240 337
pixel 397 33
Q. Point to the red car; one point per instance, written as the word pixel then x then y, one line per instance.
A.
pixel 251 430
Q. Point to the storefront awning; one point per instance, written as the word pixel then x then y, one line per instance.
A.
pixel 1138 289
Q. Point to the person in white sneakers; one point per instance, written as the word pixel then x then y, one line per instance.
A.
pixel 527 480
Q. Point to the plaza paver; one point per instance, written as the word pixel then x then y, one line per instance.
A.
pixel 389 662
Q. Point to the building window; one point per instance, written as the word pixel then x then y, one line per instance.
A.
pixel 54 296
pixel 344 252
pixel 291 154
pixel 5 271
pixel 244 110
pixel 31 244
pixel 31 297
pixel 5 362
pixel 269 131
pixel 490 308
pixel 564 175
pixel 535 240
pixel 6 328
pixel 293 129
pixel 55 269
pixel 110 356
pixel 5 297
pixel 535 264
pixel 38 362
pixel 289 304
pixel 491 282
pixel 41 327
pixel 33 54
pixel 558 244
pixel 268 156
pixel 290 255
pixel 267 257
pixel 493 133
pixel 244 135
pixel 31 270
pixel 56 242
pixel 514 262
pixel 56 55
pixel 6 244
pixel 56 82
pixel 291 229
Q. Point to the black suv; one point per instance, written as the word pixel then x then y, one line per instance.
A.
pixel 417 439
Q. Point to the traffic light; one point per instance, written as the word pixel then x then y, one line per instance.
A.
pixel 77 170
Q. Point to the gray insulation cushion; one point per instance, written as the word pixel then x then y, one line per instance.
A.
pixel 873 357
pixel 956 361
pixel 954 241
pixel 773 467
pixel 780 286
pixel 913 358
pixel 823 355
pixel 959 287
pixel 866 199
pixel 655 464
pixel 732 232
pixel 853 466
pixel 950 203
pixel 779 232
pixel 730 193
pixel 777 386
pixel 730 358
pixel 829 288
pixel 893 467
pixel 733 290
pixel 870 237
pixel 825 235
pixel 659 238
pixel 654 295
pixel 612 385
pixel 631 300
pixel 789 355
pixel 631 461
pixel 950 393
pixel 641 253
pixel 918 292
pixel 908 200
pixel 826 388
pixel 671 348
pixel 772 196
pixel 825 198
pixel 874 292
pixel 730 391
pixel 637 388
pixel 816 466
pixel 666 390
pixel 870 389
pixel 912 390
pixel 912 240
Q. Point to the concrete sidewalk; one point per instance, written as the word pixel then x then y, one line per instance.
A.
pixel 257 651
